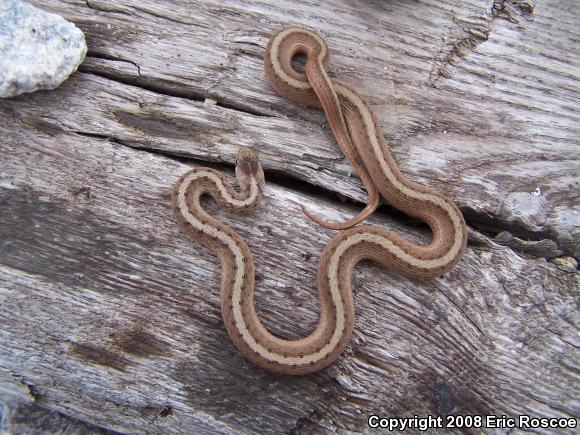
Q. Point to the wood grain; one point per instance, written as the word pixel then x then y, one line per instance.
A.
pixel 479 99
pixel 30 419
pixel 114 326
pixel 110 315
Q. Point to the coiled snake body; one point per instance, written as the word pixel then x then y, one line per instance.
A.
pixel 360 138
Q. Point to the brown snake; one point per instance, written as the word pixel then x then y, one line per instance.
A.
pixel 359 136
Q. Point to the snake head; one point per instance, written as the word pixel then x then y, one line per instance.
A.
pixel 248 168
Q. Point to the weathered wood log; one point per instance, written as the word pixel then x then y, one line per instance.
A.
pixel 479 99
pixel 30 419
pixel 109 314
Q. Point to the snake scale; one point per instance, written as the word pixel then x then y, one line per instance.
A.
pixel 360 138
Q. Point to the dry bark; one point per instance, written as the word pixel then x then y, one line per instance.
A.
pixel 476 98
pixel 29 419
pixel 110 315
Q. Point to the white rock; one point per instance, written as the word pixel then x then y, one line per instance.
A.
pixel 38 50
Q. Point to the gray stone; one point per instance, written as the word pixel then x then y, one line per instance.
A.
pixel 38 50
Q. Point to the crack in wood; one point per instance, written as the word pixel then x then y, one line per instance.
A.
pixel 476 30
pixel 87 228
pixel 164 87
pixel 488 225
pixel 105 56
pixel 104 7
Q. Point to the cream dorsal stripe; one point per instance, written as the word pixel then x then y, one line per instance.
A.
pixel 366 146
